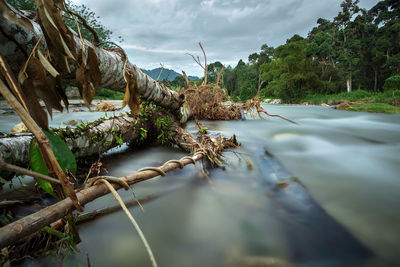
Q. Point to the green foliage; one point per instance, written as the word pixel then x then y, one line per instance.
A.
pixel 392 83
pixel 163 125
pixel 388 97
pixel 23 4
pixel 374 107
pixel 63 154
pixel 178 82
pixel 143 135
pixel 103 93
pixel 358 47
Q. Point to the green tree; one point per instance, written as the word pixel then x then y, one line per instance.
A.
pixel 291 74
pixel 212 71
pixel 178 82
pixel 348 46
pixel 92 20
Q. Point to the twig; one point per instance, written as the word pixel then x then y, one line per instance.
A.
pixel 96 39
pixel 272 115
pixel 133 221
pixel 159 75
pixel 12 168
pixel 96 213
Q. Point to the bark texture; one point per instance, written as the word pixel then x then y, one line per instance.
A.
pixel 94 139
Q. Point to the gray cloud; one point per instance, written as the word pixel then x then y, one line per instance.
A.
pixel 162 31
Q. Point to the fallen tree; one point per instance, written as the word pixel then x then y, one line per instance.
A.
pixel 20 33
pixel 41 52
pixel 91 139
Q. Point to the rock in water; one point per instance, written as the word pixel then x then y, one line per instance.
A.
pixel 20 128
pixel 106 107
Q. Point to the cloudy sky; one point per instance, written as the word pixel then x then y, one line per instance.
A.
pixel 162 31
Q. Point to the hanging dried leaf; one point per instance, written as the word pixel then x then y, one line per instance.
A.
pixel 86 88
pixel 47 65
pixel 93 66
pixel 32 102
pixel 66 49
pixel 49 18
pixel 132 94
pixel 58 37
pixel 44 89
pixel 13 15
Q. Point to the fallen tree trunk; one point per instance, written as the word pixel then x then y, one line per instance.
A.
pixel 13 232
pixel 18 38
pixel 90 140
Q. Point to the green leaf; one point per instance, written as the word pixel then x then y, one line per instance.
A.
pixel 64 156
pixel 62 153
pixel 38 165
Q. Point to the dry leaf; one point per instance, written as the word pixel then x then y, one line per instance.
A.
pixel 93 66
pixel 47 65
pixel 132 94
pixel 10 13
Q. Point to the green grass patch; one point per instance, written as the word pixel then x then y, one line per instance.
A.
pixel 388 97
pixel 374 107
pixel 103 93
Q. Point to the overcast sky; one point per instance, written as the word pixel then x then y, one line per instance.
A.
pixel 162 31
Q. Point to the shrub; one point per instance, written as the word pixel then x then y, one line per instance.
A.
pixel 392 83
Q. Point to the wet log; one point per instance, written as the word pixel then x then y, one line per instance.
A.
pixel 94 139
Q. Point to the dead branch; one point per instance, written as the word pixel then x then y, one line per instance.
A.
pixel 19 170
pixel 187 82
pixel 197 60
pixel 11 233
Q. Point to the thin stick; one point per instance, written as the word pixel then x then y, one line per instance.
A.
pixel 272 115
pixel 121 202
pixel 12 168
pixel 205 64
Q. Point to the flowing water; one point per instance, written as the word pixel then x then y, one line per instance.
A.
pixel 348 161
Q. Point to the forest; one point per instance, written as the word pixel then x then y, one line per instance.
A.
pixel 358 50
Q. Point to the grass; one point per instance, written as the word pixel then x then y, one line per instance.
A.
pixel 102 93
pixel 388 97
pixel 374 107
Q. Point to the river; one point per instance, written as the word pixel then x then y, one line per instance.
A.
pixel 349 162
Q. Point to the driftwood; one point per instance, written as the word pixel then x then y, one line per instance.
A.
pixel 12 233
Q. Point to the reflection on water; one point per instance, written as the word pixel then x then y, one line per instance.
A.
pixel 348 161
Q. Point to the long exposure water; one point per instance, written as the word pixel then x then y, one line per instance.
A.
pixel 348 161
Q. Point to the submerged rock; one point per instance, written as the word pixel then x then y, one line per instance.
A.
pixel 20 128
pixel 106 107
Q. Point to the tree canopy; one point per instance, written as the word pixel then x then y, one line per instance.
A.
pixel 358 49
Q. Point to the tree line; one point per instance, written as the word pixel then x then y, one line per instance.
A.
pixel 358 49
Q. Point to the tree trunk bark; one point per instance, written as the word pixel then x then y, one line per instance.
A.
pixel 375 80
pixel 94 139
pixel 349 84
pixel 17 42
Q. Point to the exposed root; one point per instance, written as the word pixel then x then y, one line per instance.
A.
pixel 255 103
pixel 206 102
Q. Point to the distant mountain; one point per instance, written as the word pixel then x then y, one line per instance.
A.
pixel 171 76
